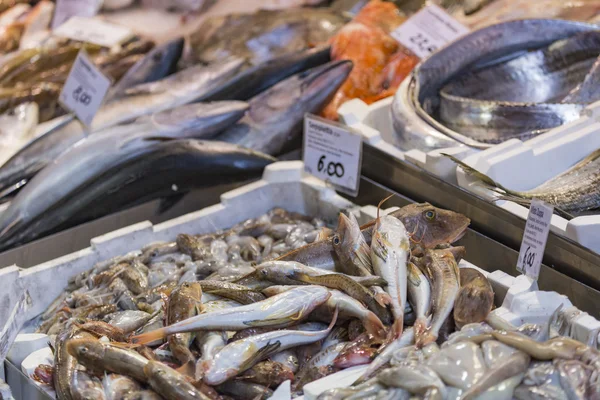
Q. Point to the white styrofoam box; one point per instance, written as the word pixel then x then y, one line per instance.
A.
pixel 283 185
pixel 525 165
pixel 375 124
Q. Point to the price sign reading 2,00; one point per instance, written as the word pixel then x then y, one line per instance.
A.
pixel 528 258
pixel 422 42
pixel 333 169
pixel 82 96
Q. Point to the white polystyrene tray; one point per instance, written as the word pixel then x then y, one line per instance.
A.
pixel 524 165
pixel 283 185
pixel 374 122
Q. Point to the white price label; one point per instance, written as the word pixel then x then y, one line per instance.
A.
pixel 428 30
pixel 332 152
pixel 93 30
pixel 534 238
pixel 66 9
pixel 84 89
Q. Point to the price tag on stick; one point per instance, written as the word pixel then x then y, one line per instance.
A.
pixel 84 89
pixel 428 30
pixel 534 238
pixel 333 153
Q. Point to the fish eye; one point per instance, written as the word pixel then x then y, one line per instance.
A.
pixel 336 240
pixel 264 272
pixel 83 350
pixel 430 215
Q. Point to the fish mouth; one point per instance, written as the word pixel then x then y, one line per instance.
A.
pixel 461 233
pixel 326 77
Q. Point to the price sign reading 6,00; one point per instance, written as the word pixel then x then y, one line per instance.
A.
pixel 332 168
pixel 332 152
pixel 534 238
pixel 81 96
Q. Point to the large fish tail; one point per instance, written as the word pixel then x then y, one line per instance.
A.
pixel 150 337
pixel 527 203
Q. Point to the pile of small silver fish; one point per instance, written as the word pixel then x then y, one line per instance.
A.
pixel 233 314
pixel 520 86
pixel 479 362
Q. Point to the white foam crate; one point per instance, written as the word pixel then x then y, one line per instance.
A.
pixel 374 122
pixel 283 185
pixel 524 165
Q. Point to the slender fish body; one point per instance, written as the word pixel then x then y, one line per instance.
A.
pixel 242 354
pixel 390 249
pixel 419 296
pixel 278 311
pixel 445 284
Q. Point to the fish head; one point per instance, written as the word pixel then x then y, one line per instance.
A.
pixel 90 350
pixel 347 234
pixel 430 226
pixel 305 92
pixel 192 290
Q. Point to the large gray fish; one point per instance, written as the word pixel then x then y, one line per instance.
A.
pixel 118 169
pixel 502 41
pixel 156 64
pixel 258 78
pixel 573 191
pixel 274 120
pixel 273 33
pixel 518 98
pixel 588 91
pixel 184 87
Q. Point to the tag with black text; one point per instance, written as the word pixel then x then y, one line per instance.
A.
pixel 534 238
pixel 428 30
pixel 94 30
pixel 333 153
pixel 85 89
pixel 65 9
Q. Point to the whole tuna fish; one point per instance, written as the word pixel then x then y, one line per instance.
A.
pixel 133 164
pixel 184 87
pixel 274 121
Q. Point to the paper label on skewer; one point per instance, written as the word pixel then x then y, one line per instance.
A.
pixel 333 153
pixel 85 89
pixel 66 9
pixel 428 30
pixel 94 30
pixel 534 238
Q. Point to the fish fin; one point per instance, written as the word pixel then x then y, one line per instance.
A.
pixel 149 337
pixel 166 203
pixel 268 350
pixel 374 326
pixel 398 327
pixel 426 338
pixel 188 369
pixel 383 299
pixel 473 172
pixel 420 326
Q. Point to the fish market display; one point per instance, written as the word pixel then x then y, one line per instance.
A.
pixel 518 85
pixel 478 363
pixel 572 192
pixel 380 62
pixel 234 313
pixel 274 33
pixel 145 160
